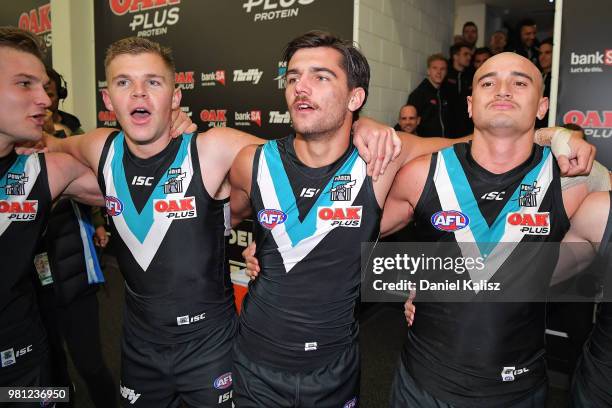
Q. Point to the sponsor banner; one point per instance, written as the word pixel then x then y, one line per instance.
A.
pixel 30 15
pixel 235 78
pixel 512 272
pixel 585 73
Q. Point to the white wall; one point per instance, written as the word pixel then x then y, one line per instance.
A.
pixel 397 36
pixel 473 12
pixel 73 56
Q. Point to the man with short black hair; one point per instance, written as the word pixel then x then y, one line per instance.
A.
pixel 480 56
pixel 458 85
pixel 545 60
pixel 527 40
pixel 408 120
pixel 470 34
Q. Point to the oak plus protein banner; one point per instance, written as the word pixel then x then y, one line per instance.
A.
pixel 31 15
pixel 227 56
pixel 585 72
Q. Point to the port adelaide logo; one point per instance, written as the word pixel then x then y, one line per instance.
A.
pixel 341 187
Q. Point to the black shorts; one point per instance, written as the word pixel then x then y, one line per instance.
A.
pixel 334 385
pixel 405 392
pixel 198 372
pixel 31 375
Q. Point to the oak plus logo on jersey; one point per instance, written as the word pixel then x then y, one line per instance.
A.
pixel 19 210
pixel 247 118
pixel 529 223
pixel 595 123
pixel 184 80
pixel 149 17
pixel 252 75
pixel 269 10
pixel 339 217
pixel 280 118
pixel 213 78
pixel 592 62
pixel 107 118
pixel 341 187
pixel 214 117
pixel 129 394
pixel 270 218
pixel 450 221
pixel 175 209
pixel 114 206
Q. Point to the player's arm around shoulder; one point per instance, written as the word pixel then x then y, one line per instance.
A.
pixel 414 146
pixel 240 180
pixel 73 179
pixel 217 149
pixel 403 195
pixel 86 148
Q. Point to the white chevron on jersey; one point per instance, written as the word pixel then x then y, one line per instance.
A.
pixel 144 251
pixel 290 254
pixel 32 170
pixel 465 238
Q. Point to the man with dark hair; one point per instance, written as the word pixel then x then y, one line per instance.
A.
pixel 470 34
pixel 527 40
pixel 408 119
pixel 297 342
pixel 480 56
pixel 498 42
pixel 57 91
pixel 28 184
pixel 545 62
pixel 458 84
pixel 430 101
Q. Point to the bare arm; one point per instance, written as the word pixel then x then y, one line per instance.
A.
pixel 586 231
pixel 419 146
pixel 240 179
pixel 73 179
pixel 86 148
pixel 404 195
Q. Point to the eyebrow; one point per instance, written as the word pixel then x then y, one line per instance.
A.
pixel 147 76
pixel 313 69
pixel 28 76
pixel 513 73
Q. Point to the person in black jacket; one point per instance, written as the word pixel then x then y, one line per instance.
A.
pixel 545 59
pixel 430 102
pixel 458 85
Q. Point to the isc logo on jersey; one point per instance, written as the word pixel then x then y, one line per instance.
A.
pixel 19 210
pixel 450 221
pixel 270 218
pixel 530 224
pixel 339 217
pixel 176 209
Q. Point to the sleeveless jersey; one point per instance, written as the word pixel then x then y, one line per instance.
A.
pixel 480 353
pixel 171 240
pixel 597 358
pixel 25 202
pixel 299 312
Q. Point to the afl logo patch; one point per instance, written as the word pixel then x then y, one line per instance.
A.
pixel 351 403
pixel 270 218
pixel 114 206
pixel 223 381
pixel 449 221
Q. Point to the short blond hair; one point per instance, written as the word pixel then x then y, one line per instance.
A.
pixel 436 57
pixel 136 46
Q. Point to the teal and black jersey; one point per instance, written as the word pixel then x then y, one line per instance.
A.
pixel 25 202
pixel 482 353
pixel 309 225
pixel 170 240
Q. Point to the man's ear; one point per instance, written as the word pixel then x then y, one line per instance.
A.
pixel 469 105
pixel 176 98
pixel 107 100
pixel 542 107
pixel 357 99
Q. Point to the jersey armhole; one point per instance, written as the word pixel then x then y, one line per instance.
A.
pixel 44 176
pixel 103 157
pixel 605 239
pixel 433 165
pixel 558 194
